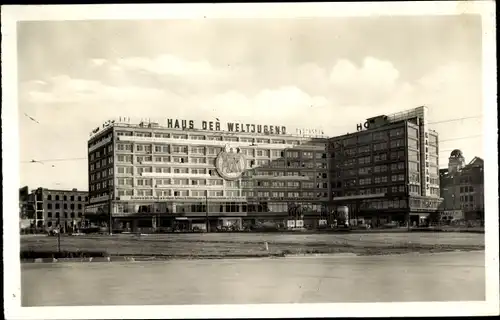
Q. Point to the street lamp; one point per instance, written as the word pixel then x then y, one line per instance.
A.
pixel 110 204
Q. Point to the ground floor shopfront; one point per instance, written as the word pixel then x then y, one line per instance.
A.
pixel 385 210
pixel 196 215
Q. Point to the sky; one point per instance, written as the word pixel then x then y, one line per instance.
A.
pixel 322 73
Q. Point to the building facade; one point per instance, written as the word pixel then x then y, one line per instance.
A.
pixel 462 188
pixel 388 170
pixel 147 176
pixel 57 207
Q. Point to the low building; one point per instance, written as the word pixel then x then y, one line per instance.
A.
pixel 51 208
pixel 462 187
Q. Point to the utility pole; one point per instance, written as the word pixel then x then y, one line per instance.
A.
pixel 59 235
pixel 110 202
pixel 206 211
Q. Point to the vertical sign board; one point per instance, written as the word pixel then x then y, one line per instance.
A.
pixel 421 113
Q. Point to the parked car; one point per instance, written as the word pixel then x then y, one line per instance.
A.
pixel 53 232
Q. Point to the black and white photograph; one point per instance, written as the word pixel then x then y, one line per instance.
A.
pixel 262 160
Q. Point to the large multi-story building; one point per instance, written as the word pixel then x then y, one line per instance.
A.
pixel 48 208
pixel 387 170
pixel 462 188
pixel 149 176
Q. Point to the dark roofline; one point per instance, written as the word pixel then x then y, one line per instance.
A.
pixel 61 190
pixel 474 159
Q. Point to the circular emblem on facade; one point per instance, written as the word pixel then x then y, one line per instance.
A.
pixel 230 163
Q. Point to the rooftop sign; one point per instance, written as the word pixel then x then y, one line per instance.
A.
pixel 230 126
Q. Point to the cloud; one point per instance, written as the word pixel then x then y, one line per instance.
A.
pixel 64 89
pixel 98 62
pixel 371 83
pixel 167 65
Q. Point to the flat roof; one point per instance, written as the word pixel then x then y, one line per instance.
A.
pixel 147 126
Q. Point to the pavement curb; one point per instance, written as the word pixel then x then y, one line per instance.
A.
pixel 148 258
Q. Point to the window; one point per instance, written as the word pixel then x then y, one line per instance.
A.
pixel 380 157
pixel 180 181
pixel 380 146
pixel 215 182
pixel 292 154
pixel 381 135
pixel 412 143
pixel 381 179
pixel 198 171
pixel 293 184
pixel 213 150
pixel 397 143
pixel 396 132
pixel 262 153
pixel 412 132
pixel 397 166
pixel 364 160
pixel 197 150
pixel 179 149
pixel 365 181
pixel 364 149
pixel 307 155
pixel 197 160
pixel 197 137
pixel 382 168
pixel 365 138
pixel 180 170
pixel 365 170
pixel 350 152
pixel 198 182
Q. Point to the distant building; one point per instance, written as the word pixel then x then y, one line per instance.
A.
pixel 462 187
pixel 456 161
pixel 25 205
pixel 47 207
pixel 388 170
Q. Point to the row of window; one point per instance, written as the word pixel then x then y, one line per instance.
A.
pixel 101 174
pixel 220 193
pixel 376 147
pixel 65 206
pixel 101 163
pixel 219 182
pixel 101 185
pixel 467 198
pixel 66 215
pixel 65 198
pixel 101 139
pixel 434 191
pixel 218 207
pixel 466 189
pixel 370 180
pixel 382 204
pixel 369 137
pixel 395 155
pixel 213 173
pixel 205 137
pixel 271 173
pixel 105 151
pixel 216 150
